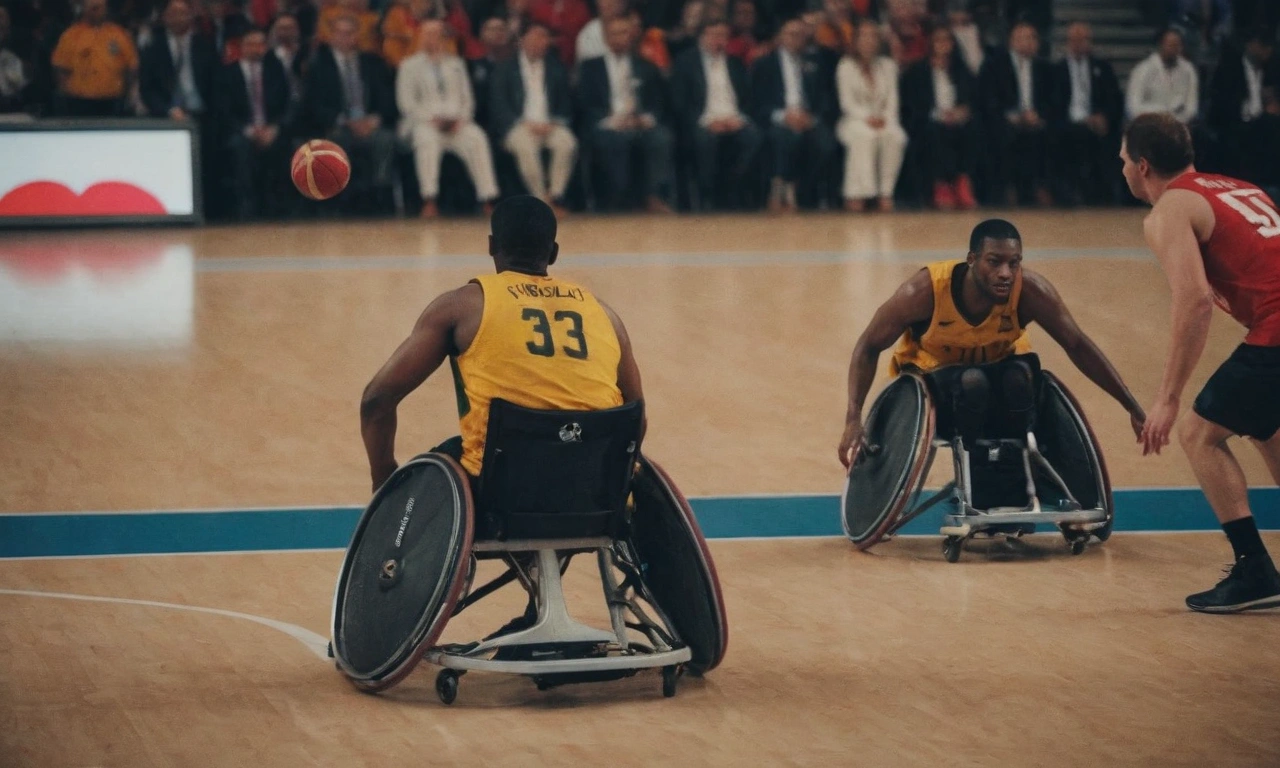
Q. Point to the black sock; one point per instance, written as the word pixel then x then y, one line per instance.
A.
pixel 1244 538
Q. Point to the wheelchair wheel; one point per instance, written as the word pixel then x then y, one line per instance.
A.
pixel 1068 443
pixel 403 572
pixel 677 566
pixel 889 468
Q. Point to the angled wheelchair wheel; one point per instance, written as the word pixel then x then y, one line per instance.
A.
pixel 676 566
pixel 889 468
pixel 403 573
pixel 1069 445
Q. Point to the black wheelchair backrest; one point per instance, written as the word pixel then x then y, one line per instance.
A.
pixel 558 474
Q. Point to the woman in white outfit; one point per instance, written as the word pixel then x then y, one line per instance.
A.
pixel 869 125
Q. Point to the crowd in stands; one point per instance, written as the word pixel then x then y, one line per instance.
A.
pixel 446 105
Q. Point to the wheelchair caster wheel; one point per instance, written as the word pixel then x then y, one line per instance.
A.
pixel 447 685
pixel 330 651
pixel 1077 545
pixel 1104 532
pixel 669 677
pixel 951 548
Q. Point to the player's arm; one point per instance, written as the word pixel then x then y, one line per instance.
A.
pixel 911 303
pixel 1041 304
pixel 628 370
pixel 414 360
pixel 1170 233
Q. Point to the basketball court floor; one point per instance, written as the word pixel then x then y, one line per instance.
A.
pixel 179 433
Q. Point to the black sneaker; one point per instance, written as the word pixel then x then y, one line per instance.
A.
pixel 1252 583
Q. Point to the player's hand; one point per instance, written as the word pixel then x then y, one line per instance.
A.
pixel 1136 421
pixel 1159 423
pixel 851 440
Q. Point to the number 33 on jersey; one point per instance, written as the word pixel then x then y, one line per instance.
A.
pixel 542 343
pixel 1242 256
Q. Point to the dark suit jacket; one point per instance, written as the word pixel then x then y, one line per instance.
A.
pixel 323 101
pixel 769 94
pixel 689 87
pixel 1105 97
pixel 998 86
pixel 157 78
pixel 506 94
pixel 481 71
pixel 1229 90
pixel 595 96
pixel 235 112
pixel 916 98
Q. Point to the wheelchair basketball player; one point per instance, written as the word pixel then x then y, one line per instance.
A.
pixel 962 325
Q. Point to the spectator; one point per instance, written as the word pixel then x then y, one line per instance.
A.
pixel 254 104
pixel 13 76
pixel 835 30
pixel 1236 109
pixel 713 99
pixel 1088 121
pixel 968 39
pixel 908 36
pixel 437 107
pixel 1206 23
pixel 530 108
pixel 1164 82
pixel 96 65
pixel 870 127
pixel 357 10
pixel 564 19
pixel 286 45
pixel 347 97
pixel 400 29
pixel 590 43
pixel 1018 89
pixel 496 44
pixel 792 101
pixel 225 21
pixel 623 109
pixel 938 108
pixel 742 40
pixel 685 36
pixel 178 68
pixel 653 44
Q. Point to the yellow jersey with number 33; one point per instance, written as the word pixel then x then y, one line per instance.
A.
pixel 950 339
pixel 542 343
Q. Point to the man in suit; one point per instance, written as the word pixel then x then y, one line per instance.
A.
pixel 1087 121
pixel 253 109
pixel 713 99
pixel 1243 84
pixel 940 114
pixel 433 93
pixel 623 109
pixel 530 109
pixel 794 102
pixel 1017 88
pixel 495 36
pixel 285 41
pixel 347 97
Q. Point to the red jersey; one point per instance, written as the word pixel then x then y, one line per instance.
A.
pixel 1242 256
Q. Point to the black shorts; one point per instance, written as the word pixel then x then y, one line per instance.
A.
pixel 944 382
pixel 1243 395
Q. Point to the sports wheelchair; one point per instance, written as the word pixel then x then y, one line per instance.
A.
pixel 554 484
pixel 1055 476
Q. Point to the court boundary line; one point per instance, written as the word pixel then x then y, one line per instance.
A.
pixel 313 642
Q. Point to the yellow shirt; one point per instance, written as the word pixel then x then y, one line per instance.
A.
pixel 97 58
pixel 950 339
pixel 366 29
pixel 542 343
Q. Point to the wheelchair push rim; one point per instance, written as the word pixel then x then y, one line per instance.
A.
pixel 1093 451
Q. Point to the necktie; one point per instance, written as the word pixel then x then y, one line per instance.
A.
pixel 255 75
pixel 179 60
pixel 355 98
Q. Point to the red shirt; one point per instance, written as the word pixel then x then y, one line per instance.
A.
pixel 1242 256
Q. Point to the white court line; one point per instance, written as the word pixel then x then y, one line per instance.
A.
pixel 313 642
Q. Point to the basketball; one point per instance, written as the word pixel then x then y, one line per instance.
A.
pixel 320 169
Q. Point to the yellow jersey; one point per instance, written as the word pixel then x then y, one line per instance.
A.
pixel 96 58
pixel 950 339
pixel 542 343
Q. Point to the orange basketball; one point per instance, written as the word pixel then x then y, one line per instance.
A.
pixel 320 169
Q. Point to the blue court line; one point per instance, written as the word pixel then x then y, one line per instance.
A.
pixel 132 533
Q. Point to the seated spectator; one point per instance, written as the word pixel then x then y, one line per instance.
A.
pixel 1087 121
pixel 402 21
pixel 95 64
pixel 835 30
pixel 792 100
pixel 870 128
pixel 496 46
pixel 623 110
pixel 178 68
pixel 530 108
pixel 742 39
pixel 908 35
pixel 968 39
pixel 1236 109
pixel 347 97
pixel 366 23
pixel 286 44
pixel 254 105
pixel 938 109
pixel 564 19
pixel 1164 82
pixel 1018 89
pixel 685 36
pixel 590 43
pixel 713 98
pixel 13 76
pixel 225 22
pixel 653 44
pixel 437 112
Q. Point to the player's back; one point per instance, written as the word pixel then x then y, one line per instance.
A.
pixel 1242 256
pixel 542 343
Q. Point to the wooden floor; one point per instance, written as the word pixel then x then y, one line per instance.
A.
pixel 221 367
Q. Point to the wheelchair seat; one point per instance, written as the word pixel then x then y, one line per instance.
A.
pixel 553 484
pixel 1055 475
